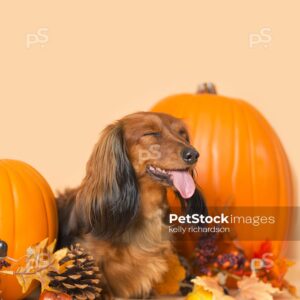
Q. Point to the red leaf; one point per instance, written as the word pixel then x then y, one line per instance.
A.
pixel 265 247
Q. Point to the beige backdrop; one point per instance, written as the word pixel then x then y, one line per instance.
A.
pixel 68 68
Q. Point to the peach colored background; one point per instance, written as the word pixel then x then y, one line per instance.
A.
pixel 101 60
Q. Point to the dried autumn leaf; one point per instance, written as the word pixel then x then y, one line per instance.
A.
pixel 170 282
pixel 265 247
pixel 281 266
pixel 207 288
pixel 276 273
pixel 251 288
pixel 40 259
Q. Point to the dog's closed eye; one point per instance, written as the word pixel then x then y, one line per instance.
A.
pixel 152 133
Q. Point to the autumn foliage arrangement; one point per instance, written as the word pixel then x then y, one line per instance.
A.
pixel 224 271
pixel 69 273
pixel 220 270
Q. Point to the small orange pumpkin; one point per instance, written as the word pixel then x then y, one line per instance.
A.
pixel 242 162
pixel 27 215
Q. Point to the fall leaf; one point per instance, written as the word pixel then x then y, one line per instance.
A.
pixel 276 273
pixel 40 259
pixel 170 282
pixel 200 294
pixel 265 247
pixel 281 266
pixel 251 288
pixel 207 288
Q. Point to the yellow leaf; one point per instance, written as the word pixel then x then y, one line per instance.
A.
pixel 207 288
pixel 40 259
pixel 60 254
pixel 51 247
pixel 200 294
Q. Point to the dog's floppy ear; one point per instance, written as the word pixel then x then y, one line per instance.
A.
pixel 108 200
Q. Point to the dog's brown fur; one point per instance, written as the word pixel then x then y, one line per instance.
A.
pixel 117 212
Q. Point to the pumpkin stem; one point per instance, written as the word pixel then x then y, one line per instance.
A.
pixel 206 88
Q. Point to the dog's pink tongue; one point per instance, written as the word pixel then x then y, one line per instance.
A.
pixel 184 183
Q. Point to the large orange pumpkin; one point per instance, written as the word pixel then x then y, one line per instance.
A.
pixel 27 215
pixel 242 162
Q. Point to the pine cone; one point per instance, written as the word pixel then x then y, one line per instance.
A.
pixel 81 277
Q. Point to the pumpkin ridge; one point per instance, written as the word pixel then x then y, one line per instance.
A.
pixel 34 179
pixel 50 206
pixel 250 150
pixel 267 128
pixel 235 147
pixel 42 182
pixel 283 192
pixel 18 174
pixel 13 206
pixel 214 146
pixel 287 170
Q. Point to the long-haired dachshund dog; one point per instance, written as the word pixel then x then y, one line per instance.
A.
pixel 118 210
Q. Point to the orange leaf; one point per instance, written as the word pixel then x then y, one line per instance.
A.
pixel 170 282
pixel 265 247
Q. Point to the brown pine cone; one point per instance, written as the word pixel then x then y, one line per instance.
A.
pixel 81 278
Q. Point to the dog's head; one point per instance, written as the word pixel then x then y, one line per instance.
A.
pixel 141 147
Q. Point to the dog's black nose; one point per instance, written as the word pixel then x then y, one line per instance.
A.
pixel 190 155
